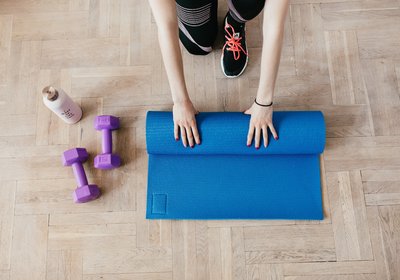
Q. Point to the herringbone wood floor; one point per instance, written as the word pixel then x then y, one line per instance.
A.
pixel 341 57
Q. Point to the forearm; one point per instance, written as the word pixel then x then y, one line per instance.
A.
pixel 273 30
pixel 165 15
pixel 169 43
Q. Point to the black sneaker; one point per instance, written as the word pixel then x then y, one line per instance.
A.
pixel 234 52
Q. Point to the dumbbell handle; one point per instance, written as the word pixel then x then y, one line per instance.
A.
pixel 106 143
pixel 80 174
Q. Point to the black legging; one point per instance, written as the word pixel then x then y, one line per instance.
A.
pixel 197 20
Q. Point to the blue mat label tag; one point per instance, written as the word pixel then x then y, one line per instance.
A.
pixel 159 205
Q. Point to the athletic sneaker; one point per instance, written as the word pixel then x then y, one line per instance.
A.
pixel 234 52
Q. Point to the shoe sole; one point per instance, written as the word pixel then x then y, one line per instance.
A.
pixel 244 67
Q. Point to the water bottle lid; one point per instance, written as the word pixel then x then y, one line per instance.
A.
pixel 50 93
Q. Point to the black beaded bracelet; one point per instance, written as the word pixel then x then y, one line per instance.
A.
pixel 263 105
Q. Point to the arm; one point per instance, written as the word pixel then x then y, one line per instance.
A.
pixel 273 28
pixel 164 12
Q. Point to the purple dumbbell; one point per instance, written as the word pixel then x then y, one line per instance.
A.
pixel 84 192
pixel 106 160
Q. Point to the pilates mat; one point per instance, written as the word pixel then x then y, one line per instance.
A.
pixel 224 179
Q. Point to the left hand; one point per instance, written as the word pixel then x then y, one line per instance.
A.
pixel 260 121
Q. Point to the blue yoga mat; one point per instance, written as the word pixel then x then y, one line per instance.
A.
pixel 224 179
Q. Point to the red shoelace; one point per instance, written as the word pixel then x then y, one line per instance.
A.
pixel 233 43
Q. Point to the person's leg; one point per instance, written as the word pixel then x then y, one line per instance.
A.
pixel 198 26
pixel 234 53
pixel 245 10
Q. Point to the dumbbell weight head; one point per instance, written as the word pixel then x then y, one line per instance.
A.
pixel 84 192
pixel 106 160
pixel 106 122
pixel 74 155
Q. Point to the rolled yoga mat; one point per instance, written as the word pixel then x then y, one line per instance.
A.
pixel 224 179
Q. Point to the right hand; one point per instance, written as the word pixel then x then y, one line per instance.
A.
pixel 185 123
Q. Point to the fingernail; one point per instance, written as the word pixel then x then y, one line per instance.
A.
pixel 257 148
pixel 176 139
pixel 199 143
pixel 191 147
pixel 277 137
pixel 248 145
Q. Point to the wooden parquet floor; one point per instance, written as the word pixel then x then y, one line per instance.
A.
pixel 339 56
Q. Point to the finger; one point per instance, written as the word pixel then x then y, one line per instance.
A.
pixel 247 112
pixel 257 137
pixel 265 135
pixel 250 135
pixel 273 131
pixel 183 135
pixel 176 131
pixel 190 136
pixel 196 134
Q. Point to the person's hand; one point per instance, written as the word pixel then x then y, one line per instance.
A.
pixel 185 123
pixel 260 121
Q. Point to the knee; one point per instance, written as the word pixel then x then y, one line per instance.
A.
pixel 193 48
pixel 246 9
pixel 195 51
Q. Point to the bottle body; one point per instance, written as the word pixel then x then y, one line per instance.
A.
pixel 63 106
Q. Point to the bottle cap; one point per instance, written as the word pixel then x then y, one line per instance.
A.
pixel 50 93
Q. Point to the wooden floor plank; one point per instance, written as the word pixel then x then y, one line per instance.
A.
pixel 348 86
pixel 289 243
pixel 362 15
pixel 329 268
pixel 381 187
pixel 50 26
pixel 308 39
pixel 7 204
pixel 349 216
pixel 335 277
pixel 350 153
pixel 118 261
pixel 6 24
pixel 29 254
pixel 381 83
pixel 214 249
pixel 384 224
pixel 64 264
pixel 389 221
pixel 130 276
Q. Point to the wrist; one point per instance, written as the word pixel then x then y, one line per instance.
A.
pixel 181 98
pixel 264 99
pixel 181 101
pixel 267 105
